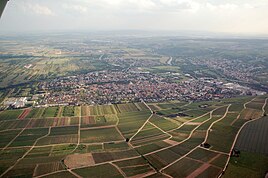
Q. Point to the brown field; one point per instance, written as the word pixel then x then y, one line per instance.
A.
pixel 24 113
pixel 79 160
pixel 170 142
pixel 85 111
pixel 255 105
pixel 60 111
pixel 210 171
pixel 88 120
pixel 249 113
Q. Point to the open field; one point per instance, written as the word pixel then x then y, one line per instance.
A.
pixel 148 134
pixel 36 113
pixel 51 112
pixel 249 114
pixel 129 123
pixel 129 107
pixel 253 137
pixel 29 136
pixel 100 135
pixel 10 115
pixel 100 157
pixel 96 144
pixel 68 111
pixel 222 135
pixel 7 137
pixel 100 110
pixel 53 122
pixel 13 124
pixel 247 165
pixel 105 170
pixel 24 113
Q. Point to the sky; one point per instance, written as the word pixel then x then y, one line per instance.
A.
pixel 220 16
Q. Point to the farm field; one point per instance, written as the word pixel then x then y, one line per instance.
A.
pixel 247 165
pixel 10 115
pixel 36 113
pixel 131 140
pixel 51 112
pixel 253 137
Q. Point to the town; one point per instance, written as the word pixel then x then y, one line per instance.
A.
pixel 110 87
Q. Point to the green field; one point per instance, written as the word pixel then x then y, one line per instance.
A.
pixel 103 133
pixel 247 165
pixel 10 115
pixel 51 112
pixel 105 170
pixel 68 111
pixel 100 135
pixel 36 113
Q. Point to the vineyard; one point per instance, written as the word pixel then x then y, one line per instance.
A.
pixel 171 139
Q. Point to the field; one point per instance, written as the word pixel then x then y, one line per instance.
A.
pixel 68 111
pixel 129 123
pixel 36 113
pixel 10 115
pixel 51 112
pixel 101 110
pixel 100 135
pixel 247 165
pixel 253 137
pixel 130 140
pixel 105 170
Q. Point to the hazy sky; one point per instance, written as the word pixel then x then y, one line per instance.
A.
pixel 234 16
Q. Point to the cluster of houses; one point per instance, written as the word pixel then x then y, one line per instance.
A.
pixel 235 69
pixel 106 87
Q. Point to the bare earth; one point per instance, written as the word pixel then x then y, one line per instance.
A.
pixel 79 160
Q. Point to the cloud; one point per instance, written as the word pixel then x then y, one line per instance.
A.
pixel 204 15
pixel 77 8
pixel 38 9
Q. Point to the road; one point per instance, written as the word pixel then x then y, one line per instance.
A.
pixel 169 62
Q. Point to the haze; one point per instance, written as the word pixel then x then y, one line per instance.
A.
pixel 228 16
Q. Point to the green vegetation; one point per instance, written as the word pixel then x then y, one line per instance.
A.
pixel 100 157
pixel 105 170
pixel 129 107
pixel 102 109
pixel 100 135
pixel 36 113
pixel 101 138
pixel 63 130
pixel 10 114
pixel 182 168
pixel 51 112
pixel 8 136
pixel 29 136
pixel 253 138
pixel 129 123
pixel 68 111
pixel 247 165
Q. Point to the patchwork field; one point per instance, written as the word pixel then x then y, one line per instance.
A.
pixel 253 137
pixel 174 139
